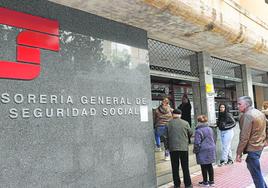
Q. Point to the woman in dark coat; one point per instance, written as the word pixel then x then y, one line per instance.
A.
pixel 205 150
pixel 186 108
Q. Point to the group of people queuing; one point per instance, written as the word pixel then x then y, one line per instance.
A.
pixel 174 127
pixel 162 115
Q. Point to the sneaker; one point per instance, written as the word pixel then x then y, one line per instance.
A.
pixel 230 161
pixel 222 163
pixel 166 152
pixel 211 183
pixel 203 184
pixel 189 186
pixel 158 149
pixel 167 158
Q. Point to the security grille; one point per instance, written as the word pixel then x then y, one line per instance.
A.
pixel 226 70
pixel 257 78
pixel 171 59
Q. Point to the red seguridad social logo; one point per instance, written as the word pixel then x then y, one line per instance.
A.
pixel 39 33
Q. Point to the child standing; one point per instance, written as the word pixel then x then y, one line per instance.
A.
pixel 205 150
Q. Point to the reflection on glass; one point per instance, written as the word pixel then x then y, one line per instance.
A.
pixel 121 55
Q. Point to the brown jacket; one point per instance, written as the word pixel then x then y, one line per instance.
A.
pixel 162 116
pixel 252 131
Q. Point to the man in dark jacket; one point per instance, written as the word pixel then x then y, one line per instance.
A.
pixel 252 138
pixel 178 132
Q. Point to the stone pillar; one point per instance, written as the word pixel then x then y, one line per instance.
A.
pixel 206 88
pixel 247 82
pixel 265 89
pixel 196 99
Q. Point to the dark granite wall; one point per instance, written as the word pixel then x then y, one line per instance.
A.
pixel 86 120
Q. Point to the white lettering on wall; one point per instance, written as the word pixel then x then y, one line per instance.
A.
pixel 37 112
pixel 53 99
pixel 69 100
pixel 59 106
pixel 5 98
pixel 31 98
pixel 13 113
pixel 43 99
pixel 18 98
pixel 25 113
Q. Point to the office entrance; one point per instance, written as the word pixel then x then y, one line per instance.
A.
pixel 172 74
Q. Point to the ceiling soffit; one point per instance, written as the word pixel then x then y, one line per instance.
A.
pixel 222 29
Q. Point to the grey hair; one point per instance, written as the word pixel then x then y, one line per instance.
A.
pixel 247 99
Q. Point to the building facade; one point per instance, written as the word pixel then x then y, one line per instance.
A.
pixel 83 119
pixel 80 79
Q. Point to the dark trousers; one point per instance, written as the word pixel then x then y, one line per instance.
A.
pixel 207 170
pixel 177 157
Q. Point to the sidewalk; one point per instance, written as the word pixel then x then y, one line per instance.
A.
pixel 232 176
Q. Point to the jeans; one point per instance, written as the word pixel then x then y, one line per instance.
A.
pixel 226 141
pixel 160 132
pixel 182 157
pixel 253 165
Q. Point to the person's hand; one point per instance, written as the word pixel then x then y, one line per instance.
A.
pixel 238 158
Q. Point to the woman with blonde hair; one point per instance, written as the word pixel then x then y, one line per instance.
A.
pixel 163 115
pixel 265 109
